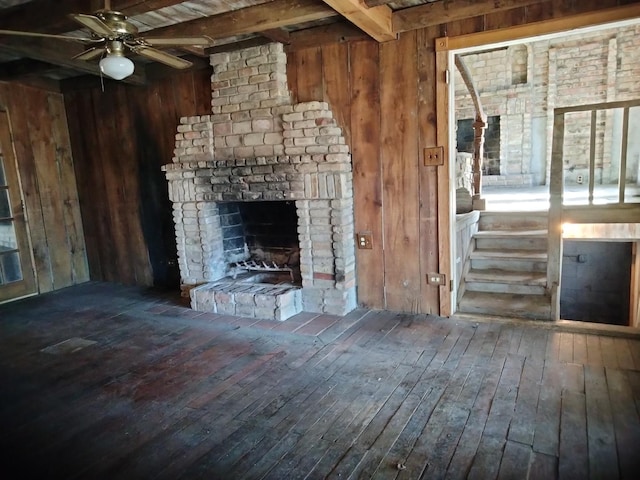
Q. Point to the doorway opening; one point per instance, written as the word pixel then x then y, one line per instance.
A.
pixel 16 267
pixel 501 247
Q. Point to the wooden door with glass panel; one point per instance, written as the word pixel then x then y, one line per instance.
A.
pixel 16 269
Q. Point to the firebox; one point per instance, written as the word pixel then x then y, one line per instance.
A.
pixel 260 241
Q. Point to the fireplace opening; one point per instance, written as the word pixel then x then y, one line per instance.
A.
pixel 260 241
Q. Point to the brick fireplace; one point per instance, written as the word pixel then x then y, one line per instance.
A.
pixel 259 163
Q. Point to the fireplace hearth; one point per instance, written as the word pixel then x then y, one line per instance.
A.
pixel 262 191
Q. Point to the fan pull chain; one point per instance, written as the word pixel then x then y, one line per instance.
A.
pixel 101 75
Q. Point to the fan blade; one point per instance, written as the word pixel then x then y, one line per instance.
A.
pixel 90 54
pixel 94 24
pixel 160 56
pixel 177 41
pixel 46 35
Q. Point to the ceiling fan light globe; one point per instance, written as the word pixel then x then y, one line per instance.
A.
pixel 116 66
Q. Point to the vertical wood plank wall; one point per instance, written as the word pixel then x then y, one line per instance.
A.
pixel 120 138
pixel 400 169
pixel 45 165
pixel 384 96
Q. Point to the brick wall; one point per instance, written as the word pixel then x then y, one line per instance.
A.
pixel 524 83
pixel 257 146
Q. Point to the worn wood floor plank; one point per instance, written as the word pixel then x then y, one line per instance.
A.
pixel 431 362
pixel 623 353
pixel 565 353
pixel 515 461
pixel 553 346
pixel 580 349
pixel 448 385
pixel 609 352
pixel 594 352
pixel 490 371
pixel 522 428
pixel 603 457
pixel 169 393
pixel 543 467
pixel 546 436
pixel 486 463
pixel 574 456
pixel 626 421
pixel 377 439
pixel 635 353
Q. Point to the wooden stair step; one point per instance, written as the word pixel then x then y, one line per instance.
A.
pixel 511 233
pixel 506 276
pixel 533 307
pixel 513 220
pixel 506 281
pixel 512 243
pixel 486 253
pixel 522 289
pixel 511 264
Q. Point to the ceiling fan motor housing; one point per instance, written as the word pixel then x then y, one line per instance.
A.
pixel 117 22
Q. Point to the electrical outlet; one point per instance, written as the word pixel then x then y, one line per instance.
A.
pixel 579 179
pixel 365 240
pixel 438 279
pixel 433 156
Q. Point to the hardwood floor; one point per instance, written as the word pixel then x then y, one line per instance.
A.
pixel 169 393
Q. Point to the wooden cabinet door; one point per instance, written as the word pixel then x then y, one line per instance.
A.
pixel 16 265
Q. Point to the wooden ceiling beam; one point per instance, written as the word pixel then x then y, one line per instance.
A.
pixel 376 3
pixel 375 21
pixel 138 7
pixel 447 11
pixel 41 83
pixel 45 16
pixel 25 67
pixel 52 52
pixel 194 50
pixel 277 35
pixel 256 19
pixel 30 72
pixel 239 45
pixel 338 32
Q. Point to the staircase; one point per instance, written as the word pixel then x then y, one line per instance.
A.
pixel 505 273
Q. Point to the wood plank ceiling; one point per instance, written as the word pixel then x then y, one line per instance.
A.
pixel 230 24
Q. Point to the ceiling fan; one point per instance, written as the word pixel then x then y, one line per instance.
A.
pixel 111 35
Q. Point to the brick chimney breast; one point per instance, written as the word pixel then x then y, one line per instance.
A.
pixel 248 90
pixel 258 146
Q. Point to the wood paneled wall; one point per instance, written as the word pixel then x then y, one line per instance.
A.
pixel 384 96
pixel 380 96
pixel 120 138
pixel 45 166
